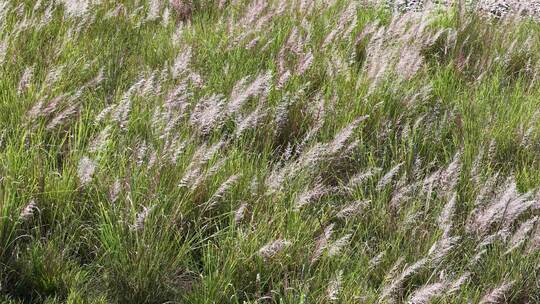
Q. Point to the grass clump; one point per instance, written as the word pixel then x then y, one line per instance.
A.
pixel 267 152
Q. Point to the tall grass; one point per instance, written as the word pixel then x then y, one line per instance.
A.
pixel 267 152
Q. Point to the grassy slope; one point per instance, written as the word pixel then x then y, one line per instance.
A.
pixel 80 245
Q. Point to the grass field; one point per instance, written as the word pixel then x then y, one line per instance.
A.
pixel 287 151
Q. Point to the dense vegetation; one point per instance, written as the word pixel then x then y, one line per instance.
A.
pixel 282 151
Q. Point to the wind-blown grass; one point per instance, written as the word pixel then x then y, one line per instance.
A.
pixel 267 152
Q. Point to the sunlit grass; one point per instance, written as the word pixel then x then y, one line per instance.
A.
pixel 266 152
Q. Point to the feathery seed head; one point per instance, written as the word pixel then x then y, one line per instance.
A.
pixel 336 247
pixel 141 218
pixel 240 213
pixel 271 249
pixel 115 190
pixel 352 209
pixel 388 177
pixel 86 170
pixel 334 287
pixel 28 210
pixel 497 294
pixel 321 243
pixel 426 293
